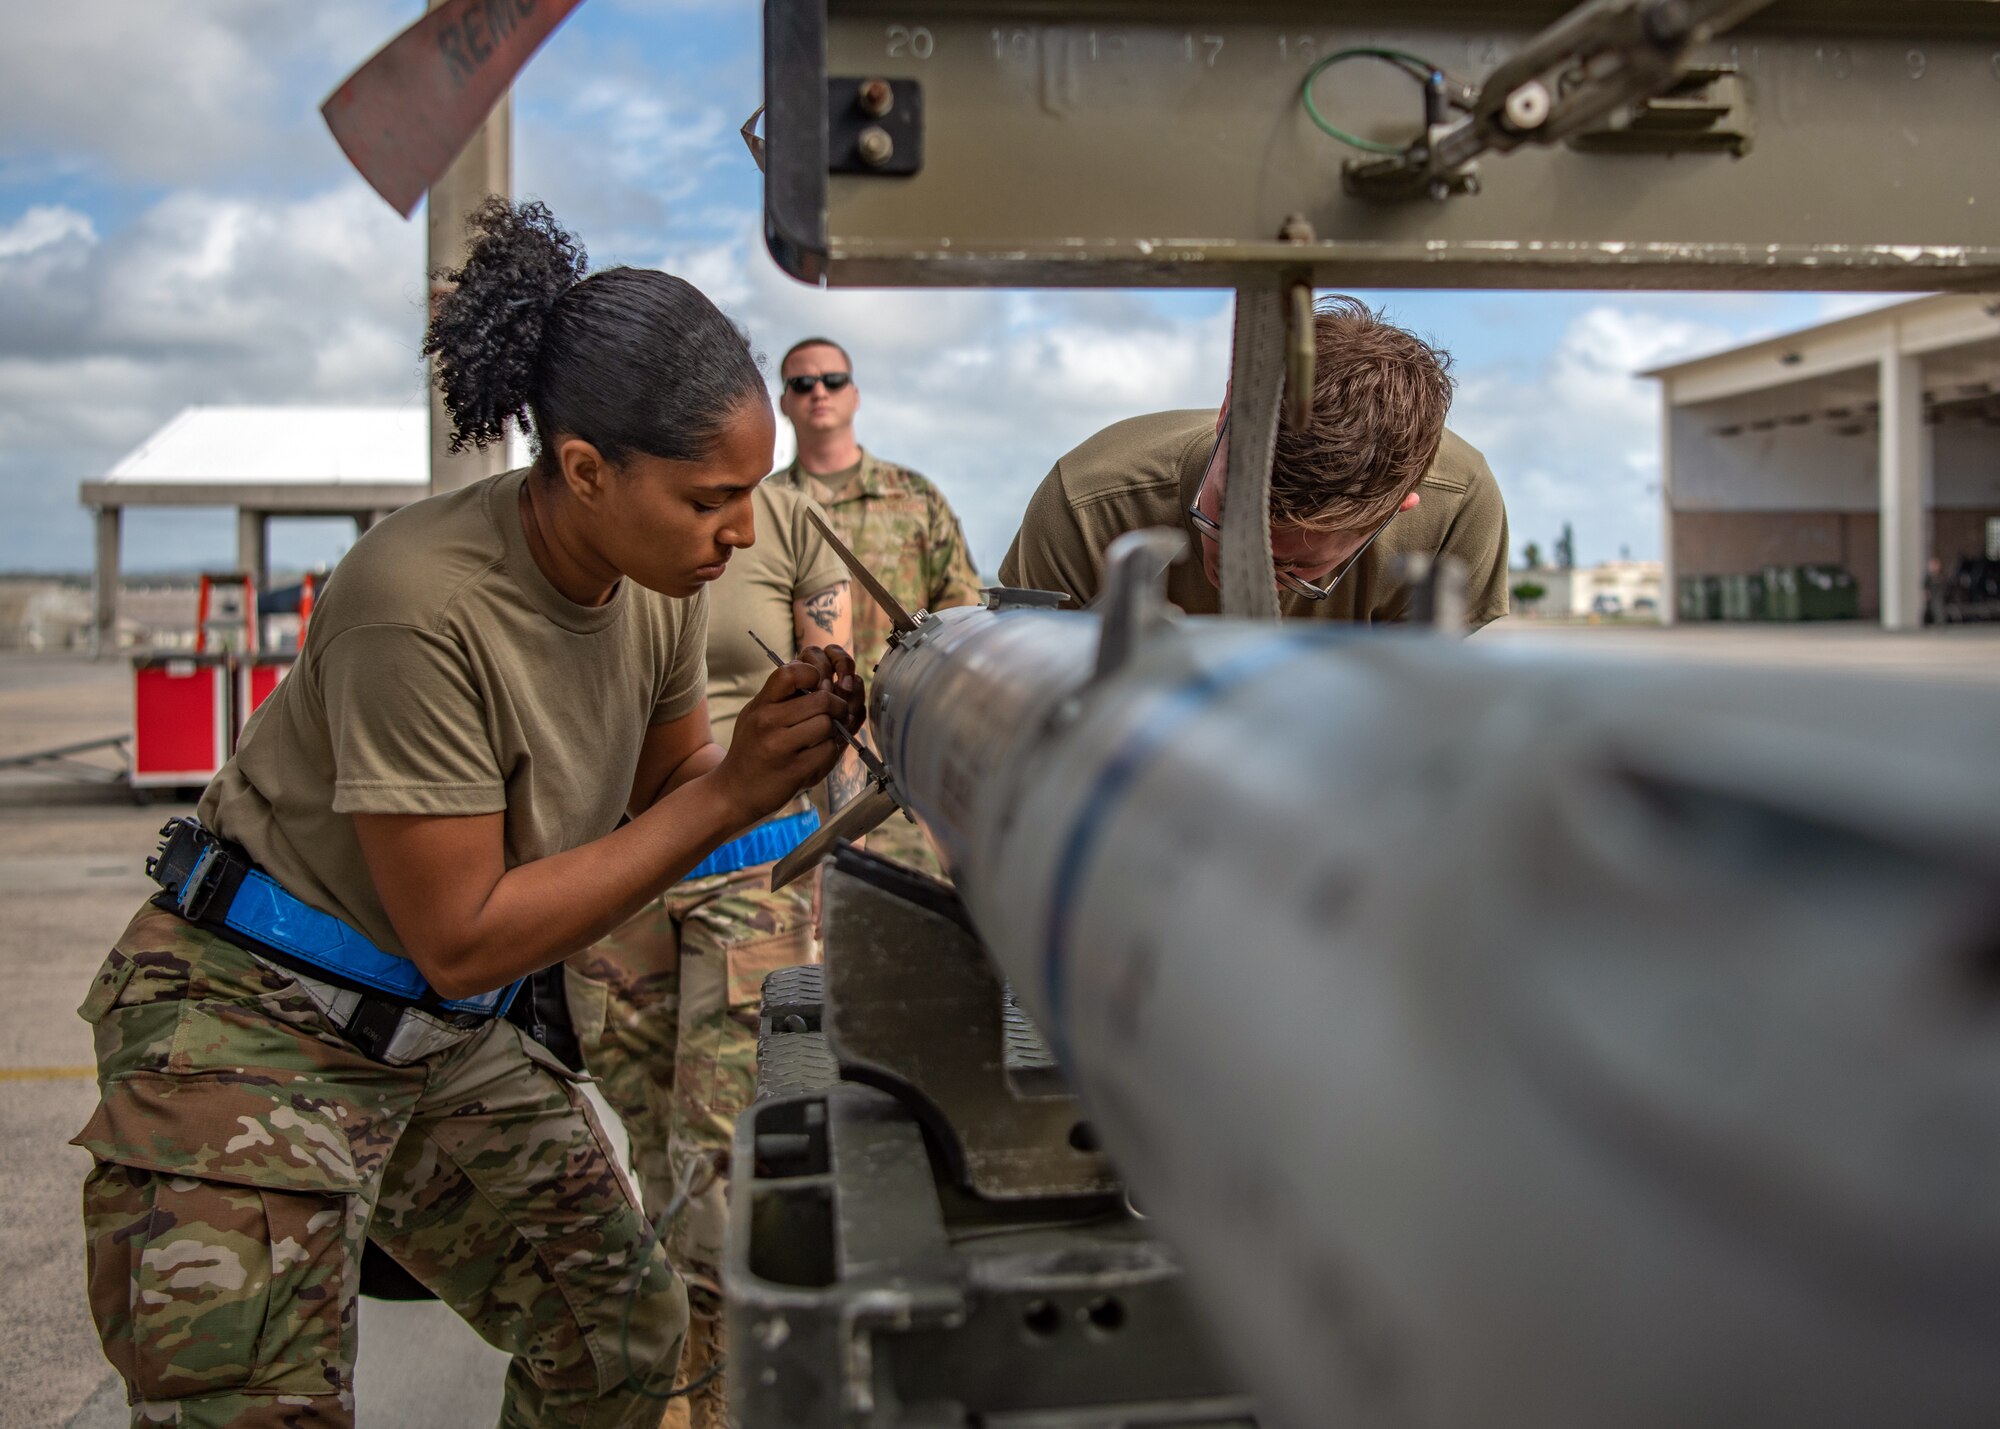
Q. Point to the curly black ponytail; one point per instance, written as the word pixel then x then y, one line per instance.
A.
pixel 488 326
pixel 627 359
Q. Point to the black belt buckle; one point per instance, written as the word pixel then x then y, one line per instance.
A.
pixel 189 864
pixel 373 1026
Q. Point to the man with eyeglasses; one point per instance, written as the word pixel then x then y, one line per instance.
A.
pixel 1374 476
pixel 893 519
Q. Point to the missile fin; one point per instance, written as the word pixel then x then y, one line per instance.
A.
pixel 865 811
pixel 898 617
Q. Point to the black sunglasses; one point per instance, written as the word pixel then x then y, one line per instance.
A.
pixel 805 382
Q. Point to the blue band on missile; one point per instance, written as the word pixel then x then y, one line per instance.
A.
pixel 1172 709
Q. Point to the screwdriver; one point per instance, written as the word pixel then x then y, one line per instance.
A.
pixel 862 751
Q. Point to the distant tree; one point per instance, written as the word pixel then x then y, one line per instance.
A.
pixel 1532 556
pixel 1566 549
pixel 1528 592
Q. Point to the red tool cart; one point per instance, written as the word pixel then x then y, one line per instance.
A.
pixel 183 707
pixel 181 719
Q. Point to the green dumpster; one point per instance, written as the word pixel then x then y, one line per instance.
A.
pixel 1742 597
pixel 1781 593
pixel 1828 593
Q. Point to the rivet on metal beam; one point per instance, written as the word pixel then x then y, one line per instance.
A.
pixel 876 98
pixel 875 146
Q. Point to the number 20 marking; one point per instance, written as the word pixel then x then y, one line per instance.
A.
pixel 916 43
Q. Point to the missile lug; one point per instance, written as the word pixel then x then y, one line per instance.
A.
pixel 1133 604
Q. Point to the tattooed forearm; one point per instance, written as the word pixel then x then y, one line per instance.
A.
pixel 845 781
pixel 826 608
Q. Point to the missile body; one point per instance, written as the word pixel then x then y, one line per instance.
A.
pixel 1503 1037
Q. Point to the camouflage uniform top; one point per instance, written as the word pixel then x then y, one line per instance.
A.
pixel 903 529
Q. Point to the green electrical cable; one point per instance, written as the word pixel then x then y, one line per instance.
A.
pixel 1414 65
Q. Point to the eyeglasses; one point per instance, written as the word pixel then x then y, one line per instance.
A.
pixel 1213 529
pixel 806 381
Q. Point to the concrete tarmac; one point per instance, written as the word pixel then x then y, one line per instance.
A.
pixel 71 874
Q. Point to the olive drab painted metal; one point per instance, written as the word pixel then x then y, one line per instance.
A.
pixel 1140 143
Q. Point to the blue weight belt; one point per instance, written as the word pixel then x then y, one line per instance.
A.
pixel 263 912
pixel 224 891
pixel 767 843
pixel 213 884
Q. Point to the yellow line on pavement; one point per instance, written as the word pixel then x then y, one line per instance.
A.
pixel 44 1074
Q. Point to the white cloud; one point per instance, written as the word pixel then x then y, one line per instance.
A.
pixel 220 295
pixel 200 299
pixel 1846 305
pixel 46 226
pixel 173 91
pixel 1576 438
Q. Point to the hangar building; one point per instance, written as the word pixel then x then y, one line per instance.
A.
pixel 1871 443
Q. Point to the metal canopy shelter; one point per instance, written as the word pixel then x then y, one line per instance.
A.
pixel 357 462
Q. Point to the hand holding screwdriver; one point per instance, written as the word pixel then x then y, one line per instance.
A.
pixel 858 709
pixel 787 737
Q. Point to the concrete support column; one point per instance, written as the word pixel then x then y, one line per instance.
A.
pixel 1905 455
pixel 253 547
pixel 108 580
pixel 1670 602
pixel 486 167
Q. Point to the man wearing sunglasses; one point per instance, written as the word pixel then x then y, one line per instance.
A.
pixel 894 519
pixel 1374 476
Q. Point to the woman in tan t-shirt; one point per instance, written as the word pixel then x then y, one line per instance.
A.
pixel 299 1046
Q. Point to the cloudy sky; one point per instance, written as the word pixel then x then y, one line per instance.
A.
pixel 176 227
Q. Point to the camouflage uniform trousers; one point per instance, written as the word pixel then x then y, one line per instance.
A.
pixel 666 1010
pixel 244 1153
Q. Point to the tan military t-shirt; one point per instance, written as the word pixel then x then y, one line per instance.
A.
pixel 1145 472
pixel 789 562
pixel 443 674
